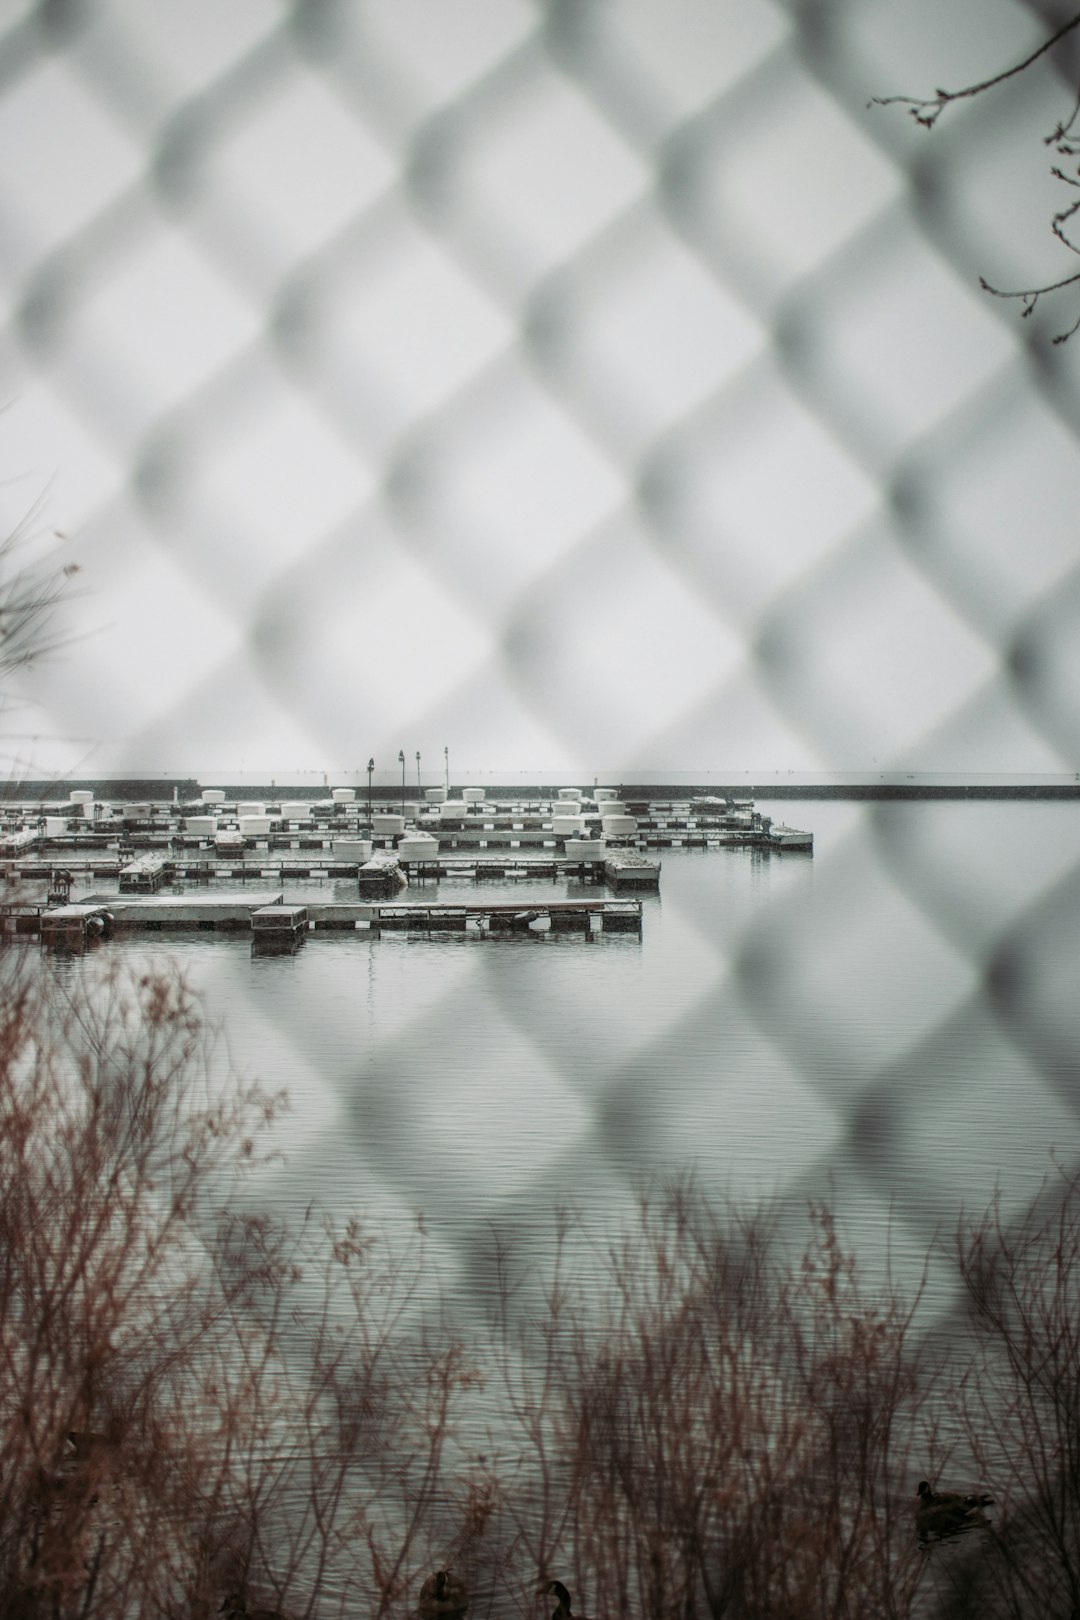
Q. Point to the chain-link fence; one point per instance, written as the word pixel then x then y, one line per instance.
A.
pixel 589 384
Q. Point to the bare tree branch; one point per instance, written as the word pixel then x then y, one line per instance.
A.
pixel 927 110
pixel 29 596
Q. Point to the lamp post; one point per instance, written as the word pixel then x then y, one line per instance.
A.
pixel 446 756
pixel 419 795
pixel 401 757
pixel 370 768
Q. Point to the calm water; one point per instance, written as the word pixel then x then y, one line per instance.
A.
pixel 806 1027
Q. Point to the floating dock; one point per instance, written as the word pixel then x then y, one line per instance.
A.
pixel 780 837
pixel 279 919
pixel 144 875
pixel 483 865
pixel 226 911
pixel 268 920
pixel 626 869
pixel 20 840
pixel 382 876
pixel 74 924
pixel 559 916
pixel 278 929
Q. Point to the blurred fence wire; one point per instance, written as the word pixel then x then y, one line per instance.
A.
pixel 597 379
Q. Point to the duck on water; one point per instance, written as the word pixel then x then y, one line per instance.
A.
pixel 941 1515
pixel 562 1610
pixel 442 1597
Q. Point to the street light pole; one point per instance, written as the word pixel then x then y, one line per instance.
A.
pixel 401 757
pixel 446 756
pixel 419 795
pixel 370 768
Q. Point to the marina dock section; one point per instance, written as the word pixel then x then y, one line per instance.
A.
pixel 268 920
pixel 222 910
pixel 242 854
pixel 342 831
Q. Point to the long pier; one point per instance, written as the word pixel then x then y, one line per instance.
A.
pixel 255 914
pixel 480 868
pixel 648 835
pixel 529 851
pixel 558 916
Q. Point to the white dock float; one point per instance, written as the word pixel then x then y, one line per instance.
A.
pixel 626 869
pixel 143 876
pixel 18 842
pixel 381 876
pixel 278 929
pixel 417 846
pixel 780 837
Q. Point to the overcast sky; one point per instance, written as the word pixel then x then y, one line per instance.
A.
pixel 589 388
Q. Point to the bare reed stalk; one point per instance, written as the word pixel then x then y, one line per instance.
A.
pixel 257 1411
pixel 725 1434
pixel 106 1151
pixel 859 1381
pixel 326 1420
pixel 1021 1399
pixel 30 593
pixel 696 1426
pixel 32 589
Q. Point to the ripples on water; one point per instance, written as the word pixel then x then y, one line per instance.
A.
pixel 785 1025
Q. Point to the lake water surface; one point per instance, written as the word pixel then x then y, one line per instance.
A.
pixel 892 1024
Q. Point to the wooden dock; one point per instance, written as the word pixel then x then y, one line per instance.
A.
pixel 508 866
pixel 266 918
pixel 481 867
pixel 558 916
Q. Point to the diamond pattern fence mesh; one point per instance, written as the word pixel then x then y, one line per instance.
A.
pixel 588 380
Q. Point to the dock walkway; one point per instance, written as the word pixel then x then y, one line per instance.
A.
pixel 558 916
pixel 252 913
pixel 480 866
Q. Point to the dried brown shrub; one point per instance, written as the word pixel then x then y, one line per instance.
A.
pixel 689 1419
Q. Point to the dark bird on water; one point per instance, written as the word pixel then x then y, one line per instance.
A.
pixel 940 1515
pixel 442 1595
pixel 562 1610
